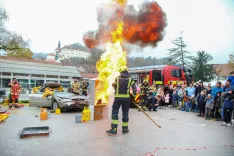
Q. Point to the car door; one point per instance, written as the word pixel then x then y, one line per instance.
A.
pixel 38 100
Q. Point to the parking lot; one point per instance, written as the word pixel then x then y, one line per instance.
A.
pixel 181 134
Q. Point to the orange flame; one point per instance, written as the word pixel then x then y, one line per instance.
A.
pixel 111 61
pixel 119 24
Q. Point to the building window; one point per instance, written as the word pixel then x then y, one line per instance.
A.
pixel 6 74
pixel 4 83
pixel 39 76
pixel 51 76
pixel 19 74
pixel 23 83
pixel 64 77
pixel 51 81
pixel 176 73
pixel 65 84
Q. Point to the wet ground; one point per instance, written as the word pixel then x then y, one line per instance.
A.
pixel 182 134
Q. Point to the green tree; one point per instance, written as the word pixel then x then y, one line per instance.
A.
pixel 201 69
pixel 11 42
pixel 231 61
pixel 178 54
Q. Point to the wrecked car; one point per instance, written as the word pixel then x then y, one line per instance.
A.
pixel 57 98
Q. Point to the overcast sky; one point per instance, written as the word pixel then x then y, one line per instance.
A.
pixel 207 24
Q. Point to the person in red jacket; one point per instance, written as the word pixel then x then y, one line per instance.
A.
pixel 15 92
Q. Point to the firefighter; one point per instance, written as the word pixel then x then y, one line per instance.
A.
pixel 145 88
pixel 75 86
pixel 122 98
pixel 84 88
pixel 14 93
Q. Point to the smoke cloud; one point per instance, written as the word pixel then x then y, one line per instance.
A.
pixel 144 27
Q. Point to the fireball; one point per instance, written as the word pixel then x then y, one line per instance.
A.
pixel 119 25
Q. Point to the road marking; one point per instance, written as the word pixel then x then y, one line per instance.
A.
pixel 179 122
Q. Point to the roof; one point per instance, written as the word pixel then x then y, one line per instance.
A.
pixel 222 69
pixel 89 75
pixel 77 46
pixel 31 66
pixel 51 54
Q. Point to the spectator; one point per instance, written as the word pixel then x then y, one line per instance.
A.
pixel 231 78
pixel 228 107
pixel 155 103
pixel 174 98
pixel 199 88
pixel 180 97
pixel 209 85
pixel 170 91
pixel 190 90
pixel 209 106
pixel 214 92
pixel 216 89
pixel 167 99
pixel 201 103
pixel 217 105
pixel 209 89
pixel 227 86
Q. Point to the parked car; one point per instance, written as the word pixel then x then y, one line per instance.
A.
pixel 63 100
pixel 2 92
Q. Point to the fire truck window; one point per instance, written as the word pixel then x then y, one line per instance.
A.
pixel 176 73
pixel 157 76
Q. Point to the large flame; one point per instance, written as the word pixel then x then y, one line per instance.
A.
pixel 111 61
pixel 119 23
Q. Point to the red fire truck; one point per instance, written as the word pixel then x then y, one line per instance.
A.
pixel 162 74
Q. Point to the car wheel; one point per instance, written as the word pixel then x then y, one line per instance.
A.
pixel 55 106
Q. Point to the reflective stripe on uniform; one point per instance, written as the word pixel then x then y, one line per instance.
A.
pixel 122 95
pixel 129 82
pixel 158 82
pixel 125 124
pixel 115 122
pixel 117 87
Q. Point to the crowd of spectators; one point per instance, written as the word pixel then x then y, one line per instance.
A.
pixel 211 102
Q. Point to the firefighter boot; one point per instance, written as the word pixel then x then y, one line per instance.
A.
pixel 112 131
pixel 125 130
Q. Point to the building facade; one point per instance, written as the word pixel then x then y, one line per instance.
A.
pixel 31 73
pixel 69 51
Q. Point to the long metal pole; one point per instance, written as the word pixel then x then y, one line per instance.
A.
pixel 146 114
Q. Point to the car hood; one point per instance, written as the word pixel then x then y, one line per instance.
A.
pixel 67 95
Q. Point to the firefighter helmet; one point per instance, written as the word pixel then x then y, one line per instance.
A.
pixel 123 68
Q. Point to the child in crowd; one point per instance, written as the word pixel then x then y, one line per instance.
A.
pixel 174 98
pixel 180 96
pixel 167 99
pixel 186 102
pixel 217 105
pixel 209 89
pixel 201 103
pixel 156 101
pixel 209 106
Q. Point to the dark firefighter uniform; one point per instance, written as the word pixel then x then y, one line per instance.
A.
pixel 84 88
pixel 122 98
pixel 145 88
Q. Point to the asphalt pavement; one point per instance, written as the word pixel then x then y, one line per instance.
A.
pixel 182 134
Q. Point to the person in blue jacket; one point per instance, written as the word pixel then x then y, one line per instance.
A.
pixel 216 89
pixel 231 78
pixel 228 107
